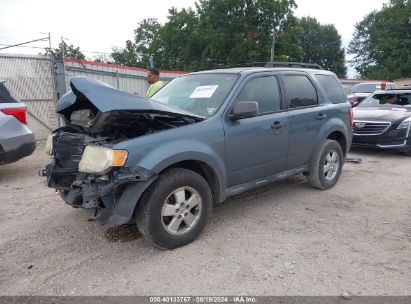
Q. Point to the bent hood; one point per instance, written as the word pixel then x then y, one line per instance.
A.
pixel 99 96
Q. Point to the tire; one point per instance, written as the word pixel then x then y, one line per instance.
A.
pixel 163 217
pixel 407 153
pixel 330 156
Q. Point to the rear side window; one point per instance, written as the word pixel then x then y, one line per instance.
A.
pixel 300 91
pixel 263 90
pixel 5 96
pixel 332 88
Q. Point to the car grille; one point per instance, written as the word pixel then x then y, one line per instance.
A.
pixel 68 149
pixel 370 127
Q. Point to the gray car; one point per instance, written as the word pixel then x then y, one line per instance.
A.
pixel 204 137
pixel 16 139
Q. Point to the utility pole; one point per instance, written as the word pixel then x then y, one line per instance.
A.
pixel 151 61
pixel 63 47
pixel 273 42
pixel 272 46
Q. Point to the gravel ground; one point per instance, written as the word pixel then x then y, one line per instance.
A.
pixel 283 239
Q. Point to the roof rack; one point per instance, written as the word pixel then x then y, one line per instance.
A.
pixel 281 64
pixel 248 64
pixel 273 64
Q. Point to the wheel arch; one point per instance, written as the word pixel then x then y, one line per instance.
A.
pixel 204 170
pixel 339 137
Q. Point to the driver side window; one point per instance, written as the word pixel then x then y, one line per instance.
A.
pixel 263 90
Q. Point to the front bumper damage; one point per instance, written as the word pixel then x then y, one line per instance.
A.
pixel 110 198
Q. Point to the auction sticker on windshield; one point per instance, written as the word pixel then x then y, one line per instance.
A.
pixel 204 91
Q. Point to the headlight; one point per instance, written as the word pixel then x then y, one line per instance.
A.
pixel 98 160
pixel 406 123
pixel 48 148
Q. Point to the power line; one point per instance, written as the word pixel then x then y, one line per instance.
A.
pixel 18 44
pixel 25 46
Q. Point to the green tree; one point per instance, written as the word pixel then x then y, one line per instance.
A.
pixel 382 42
pixel 236 31
pixel 146 43
pixel 69 51
pixel 322 44
pixel 216 33
pixel 180 41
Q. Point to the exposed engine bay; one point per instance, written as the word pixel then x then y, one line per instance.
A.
pixel 103 129
pixel 96 118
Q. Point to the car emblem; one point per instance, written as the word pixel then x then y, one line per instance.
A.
pixel 359 125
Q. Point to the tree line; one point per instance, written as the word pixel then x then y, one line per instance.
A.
pixel 223 33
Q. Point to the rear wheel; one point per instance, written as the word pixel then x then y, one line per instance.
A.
pixel 175 209
pixel 327 165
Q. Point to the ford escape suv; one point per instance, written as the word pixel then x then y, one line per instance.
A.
pixel 206 136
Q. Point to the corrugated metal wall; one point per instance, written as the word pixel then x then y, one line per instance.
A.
pixel 129 79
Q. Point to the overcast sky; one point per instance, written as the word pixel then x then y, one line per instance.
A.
pixel 97 26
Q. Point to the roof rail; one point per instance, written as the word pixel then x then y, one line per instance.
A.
pixel 248 64
pixel 273 64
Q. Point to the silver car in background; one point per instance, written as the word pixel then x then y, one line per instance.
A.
pixel 16 139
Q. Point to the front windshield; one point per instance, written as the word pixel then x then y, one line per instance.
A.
pixel 364 88
pixel 201 94
pixel 386 99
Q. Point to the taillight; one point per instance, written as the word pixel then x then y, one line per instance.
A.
pixel 351 117
pixel 19 113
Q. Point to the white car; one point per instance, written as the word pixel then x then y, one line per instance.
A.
pixel 363 90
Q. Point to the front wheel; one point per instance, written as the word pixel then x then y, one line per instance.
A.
pixel 175 209
pixel 407 153
pixel 327 165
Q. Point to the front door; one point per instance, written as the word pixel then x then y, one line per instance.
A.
pixel 257 147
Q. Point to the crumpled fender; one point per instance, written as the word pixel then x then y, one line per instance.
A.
pixel 124 209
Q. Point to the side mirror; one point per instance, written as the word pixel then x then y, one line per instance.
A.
pixel 244 109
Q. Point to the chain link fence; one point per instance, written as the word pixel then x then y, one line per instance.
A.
pixel 30 79
pixel 37 81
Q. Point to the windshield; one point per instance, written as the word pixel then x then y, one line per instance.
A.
pixel 364 88
pixel 5 96
pixel 386 99
pixel 201 94
pixel 371 87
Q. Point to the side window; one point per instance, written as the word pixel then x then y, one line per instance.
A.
pixel 332 88
pixel 263 90
pixel 300 91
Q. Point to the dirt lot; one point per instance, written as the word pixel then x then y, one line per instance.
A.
pixel 283 239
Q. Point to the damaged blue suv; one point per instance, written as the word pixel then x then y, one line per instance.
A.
pixel 206 136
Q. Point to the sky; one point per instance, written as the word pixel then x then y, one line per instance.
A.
pixel 98 26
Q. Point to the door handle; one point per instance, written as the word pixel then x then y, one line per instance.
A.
pixel 321 116
pixel 277 125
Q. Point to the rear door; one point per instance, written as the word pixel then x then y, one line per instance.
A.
pixel 306 117
pixel 257 147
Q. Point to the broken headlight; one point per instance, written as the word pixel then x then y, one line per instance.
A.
pixel 98 159
pixel 48 148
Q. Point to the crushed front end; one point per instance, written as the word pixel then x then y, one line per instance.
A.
pixel 87 170
pixel 98 192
